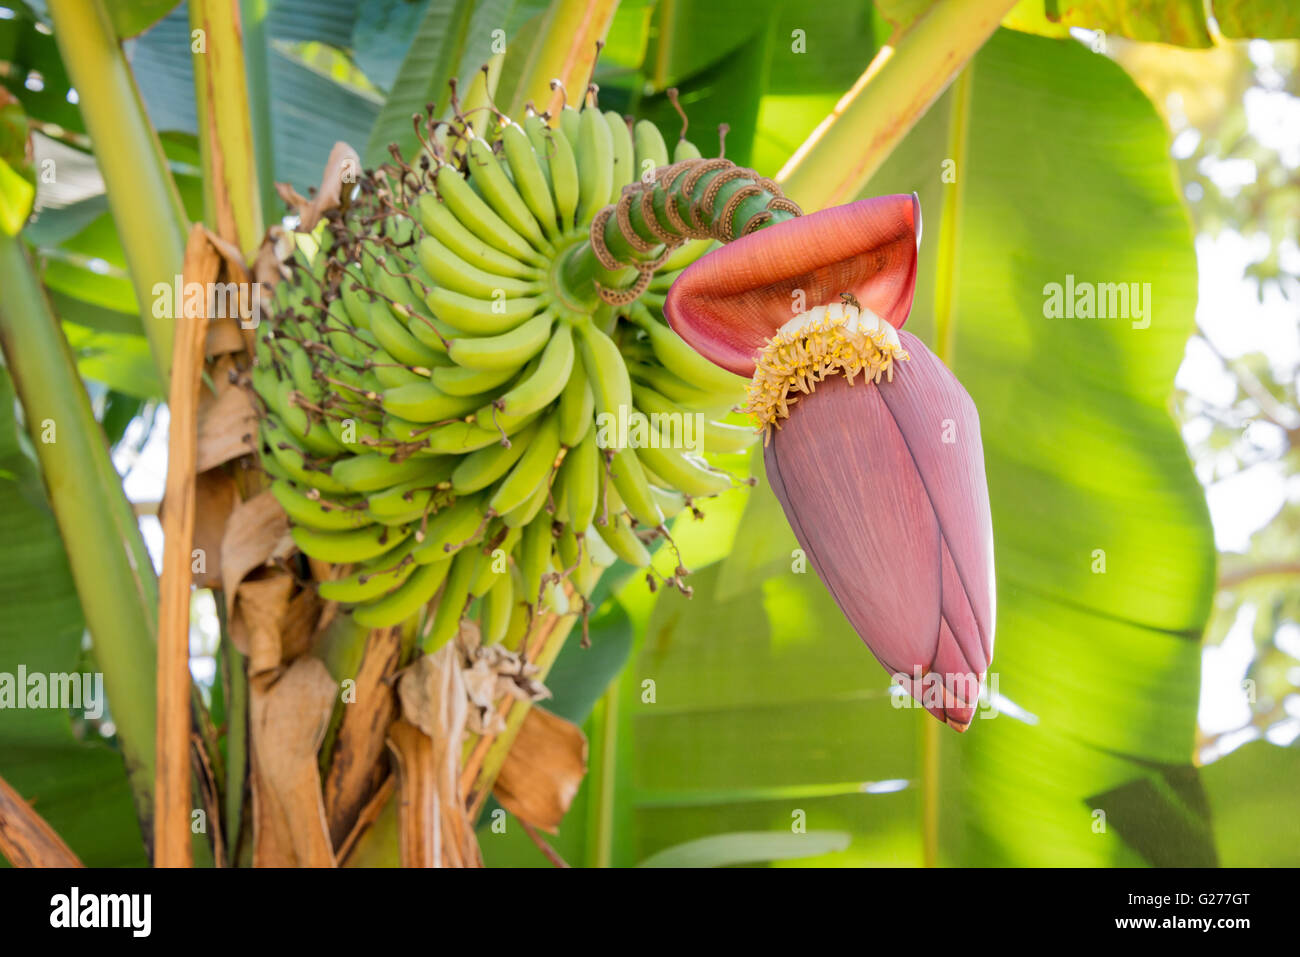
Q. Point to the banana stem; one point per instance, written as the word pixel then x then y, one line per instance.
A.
pixel 112 570
pixel 232 201
pixel 146 207
pixel 579 273
pixel 693 199
pixel 907 75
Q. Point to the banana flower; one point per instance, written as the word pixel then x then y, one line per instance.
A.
pixel 872 446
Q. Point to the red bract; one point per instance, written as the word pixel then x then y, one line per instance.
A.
pixel 884 487
pixel 730 302
pixel 881 475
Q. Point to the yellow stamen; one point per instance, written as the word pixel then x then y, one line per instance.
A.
pixel 826 341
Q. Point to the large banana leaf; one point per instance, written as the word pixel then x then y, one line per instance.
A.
pixel 78 786
pixel 768 710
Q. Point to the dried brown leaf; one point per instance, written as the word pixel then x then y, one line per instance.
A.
pixel 356 765
pixel 256 531
pixel 227 427
pixel 261 606
pixel 171 836
pixel 215 496
pixel 288 716
pixel 342 170
pixel 26 840
pixel 436 830
pixel 543 770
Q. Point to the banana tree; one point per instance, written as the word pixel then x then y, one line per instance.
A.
pixel 410 277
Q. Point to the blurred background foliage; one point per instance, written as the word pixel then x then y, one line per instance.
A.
pixel 1118 142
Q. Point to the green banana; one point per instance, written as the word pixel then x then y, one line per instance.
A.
pixel 297 462
pixel 402 503
pixel 482 317
pixel 595 164
pixel 373 578
pixel 532 506
pixel 492 565
pixel 396 338
pixel 451 605
pixel 578 481
pixel 686 396
pixel 533 468
pixel 319 513
pixel 651 151
pixel 425 402
pixel 629 478
pixel 564 174
pixel 441 223
pixel 450 530
pixel 450 271
pixel 498 604
pixel 405 600
pixel 480 469
pixel 685 150
pixel 486 173
pixel 374 471
pixel 508 350
pixel 607 373
pixel 684 362
pixel 390 373
pixel 684 471
pixel 577 406
pixel 473 212
pixel 458 438
pixel 718 436
pixel 624 168
pixel 455 380
pixel 356 301
pixel 623 541
pixel 531 177
pixel 671 502
pixel 540 387
pixel 353 545
pixel 568 550
pixel 534 556
pixel 307 430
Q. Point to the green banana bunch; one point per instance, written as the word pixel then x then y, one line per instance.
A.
pixel 445 406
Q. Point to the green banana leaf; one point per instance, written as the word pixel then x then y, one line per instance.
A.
pixel 1244 790
pixel 41 630
pixel 1178 22
pixel 766 705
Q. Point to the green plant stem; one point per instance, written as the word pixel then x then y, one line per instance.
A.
pixel 602 778
pixel 945 325
pixel 146 207
pixel 906 76
pixel 945 304
pixel 572 29
pixel 236 667
pixel 930 729
pixel 112 570
pixel 232 203
pixel 253 14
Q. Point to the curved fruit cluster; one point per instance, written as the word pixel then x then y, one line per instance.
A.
pixel 451 409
